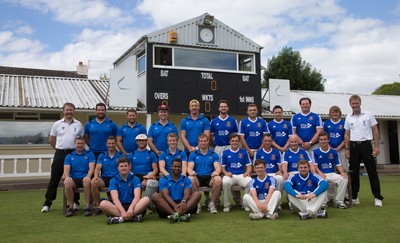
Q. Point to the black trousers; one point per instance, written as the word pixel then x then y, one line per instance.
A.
pixel 57 170
pixel 362 152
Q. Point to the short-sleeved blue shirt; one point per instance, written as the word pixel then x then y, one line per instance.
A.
pixel 79 163
pixel 291 158
pixel 262 186
pixel 253 131
pixel 272 159
pixel 235 161
pixel 222 128
pixel 177 188
pixel 109 165
pixel 203 164
pixel 99 132
pixel 142 161
pixel 159 134
pixel 168 157
pixel 129 134
pixel 125 188
pixel 306 125
pixel 326 160
pixel 194 128
pixel 335 131
pixel 280 131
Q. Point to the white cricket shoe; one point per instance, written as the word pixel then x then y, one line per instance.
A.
pixel 45 209
pixel 378 203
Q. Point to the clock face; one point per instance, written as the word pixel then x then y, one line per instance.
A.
pixel 206 35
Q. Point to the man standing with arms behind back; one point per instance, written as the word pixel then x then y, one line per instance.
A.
pixel 307 125
pixel 62 138
pixel 361 128
pixel 98 130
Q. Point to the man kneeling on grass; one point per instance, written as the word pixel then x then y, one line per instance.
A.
pixel 307 192
pixel 125 190
pixel 263 198
pixel 176 200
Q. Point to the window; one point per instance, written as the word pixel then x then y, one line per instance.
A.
pixel 246 63
pixel 163 56
pixel 204 59
pixel 25 132
pixel 190 58
pixel 141 64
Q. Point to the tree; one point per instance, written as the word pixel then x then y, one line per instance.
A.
pixel 388 89
pixel 104 77
pixel 289 65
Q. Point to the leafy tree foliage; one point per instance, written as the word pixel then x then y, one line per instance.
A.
pixel 388 89
pixel 289 65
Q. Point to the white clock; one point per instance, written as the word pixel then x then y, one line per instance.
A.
pixel 206 35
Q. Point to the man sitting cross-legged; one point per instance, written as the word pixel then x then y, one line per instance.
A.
pixel 263 198
pixel 176 199
pixel 125 190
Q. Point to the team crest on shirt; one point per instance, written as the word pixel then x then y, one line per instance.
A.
pixel 284 125
pixel 228 124
pixel 310 117
pixel 301 156
pixel 182 184
pixel 129 184
pixel 309 183
pixel 258 124
pixel 273 157
pixel 266 184
pixel 201 123
pixel 240 156
pixel 330 156
pixel 340 127
pixel 86 157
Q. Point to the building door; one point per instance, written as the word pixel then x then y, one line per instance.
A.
pixel 393 142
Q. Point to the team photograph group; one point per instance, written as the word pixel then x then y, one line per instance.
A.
pixel 146 172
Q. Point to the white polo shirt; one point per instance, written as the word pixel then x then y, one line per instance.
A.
pixel 360 126
pixel 66 133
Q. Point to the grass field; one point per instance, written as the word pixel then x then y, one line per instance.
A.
pixel 21 221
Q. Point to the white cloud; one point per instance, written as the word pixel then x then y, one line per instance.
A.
pixel 24 30
pixel 355 55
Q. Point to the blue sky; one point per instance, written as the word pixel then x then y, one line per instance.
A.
pixel 353 43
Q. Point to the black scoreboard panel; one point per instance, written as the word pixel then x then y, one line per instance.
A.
pixel 176 87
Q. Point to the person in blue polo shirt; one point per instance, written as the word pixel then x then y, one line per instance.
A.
pixel 78 170
pixel 98 130
pixel 127 133
pixel 251 130
pixel 204 169
pixel 159 130
pixel 307 125
pixel 292 156
pixel 236 167
pixel 125 190
pixel 280 130
pixel 176 199
pixel 335 129
pixel 307 192
pixel 272 158
pixel 106 168
pixel 172 152
pixel 263 198
pixel 192 126
pixel 144 165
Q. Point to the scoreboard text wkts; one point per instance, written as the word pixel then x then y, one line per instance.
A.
pixel 176 88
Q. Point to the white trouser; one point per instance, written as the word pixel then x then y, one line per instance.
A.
pixel 228 182
pixel 306 206
pixel 248 201
pixel 343 159
pixel 220 149
pixel 279 181
pixel 341 186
